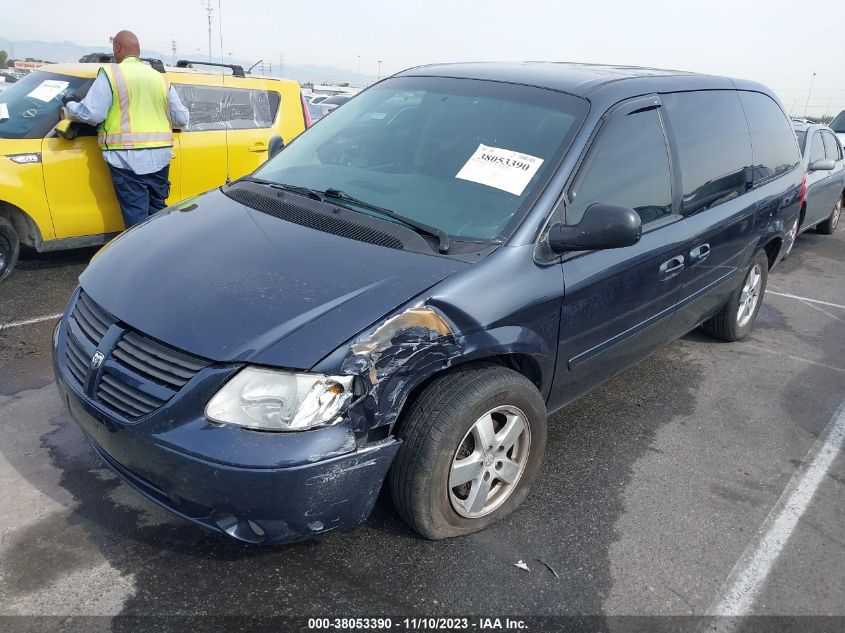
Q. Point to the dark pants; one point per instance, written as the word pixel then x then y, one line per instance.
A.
pixel 140 195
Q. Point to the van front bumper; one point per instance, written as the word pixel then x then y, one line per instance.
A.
pixel 258 505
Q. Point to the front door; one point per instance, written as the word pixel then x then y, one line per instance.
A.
pixel 618 302
pixel 79 187
pixel 819 200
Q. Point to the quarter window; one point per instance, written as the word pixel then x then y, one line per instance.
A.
pixel 714 149
pixel 831 146
pixel 216 108
pixel 628 165
pixel 773 145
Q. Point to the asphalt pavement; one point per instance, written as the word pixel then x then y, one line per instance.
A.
pixel 658 495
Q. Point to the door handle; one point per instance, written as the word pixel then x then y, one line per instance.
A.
pixel 699 254
pixel 258 147
pixel 671 267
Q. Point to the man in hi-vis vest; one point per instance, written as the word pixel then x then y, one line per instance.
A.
pixel 135 110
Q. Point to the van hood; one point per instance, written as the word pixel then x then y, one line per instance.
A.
pixel 220 280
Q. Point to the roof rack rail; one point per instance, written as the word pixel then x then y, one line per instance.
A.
pixel 105 58
pixel 237 70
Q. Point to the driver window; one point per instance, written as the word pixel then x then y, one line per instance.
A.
pixel 628 164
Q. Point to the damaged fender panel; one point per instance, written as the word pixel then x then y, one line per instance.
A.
pixel 394 357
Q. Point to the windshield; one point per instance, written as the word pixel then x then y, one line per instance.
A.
pixel 838 124
pixel 29 108
pixel 460 155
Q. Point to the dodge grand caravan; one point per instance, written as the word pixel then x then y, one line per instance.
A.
pixel 409 289
pixel 55 191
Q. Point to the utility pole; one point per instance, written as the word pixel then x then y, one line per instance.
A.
pixel 209 10
pixel 173 50
pixel 358 81
pixel 379 69
pixel 809 92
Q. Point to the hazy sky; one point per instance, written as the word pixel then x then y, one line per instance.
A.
pixel 776 42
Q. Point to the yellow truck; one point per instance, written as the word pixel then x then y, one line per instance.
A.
pixel 55 189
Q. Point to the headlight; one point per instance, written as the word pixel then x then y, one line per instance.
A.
pixel 280 401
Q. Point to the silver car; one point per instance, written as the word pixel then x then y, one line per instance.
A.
pixel 824 180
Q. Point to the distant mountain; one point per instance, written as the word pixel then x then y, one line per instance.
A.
pixel 71 52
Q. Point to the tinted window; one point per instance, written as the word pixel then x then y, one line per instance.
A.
pixel 213 108
pixel 714 149
pixel 629 165
pixel 831 146
pixel 773 144
pixel 816 147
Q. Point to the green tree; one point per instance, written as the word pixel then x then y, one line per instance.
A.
pixel 4 56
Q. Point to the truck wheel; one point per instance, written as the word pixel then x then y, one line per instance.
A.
pixel 735 320
pixel 9 248
pixel 829 226
pixel 471 444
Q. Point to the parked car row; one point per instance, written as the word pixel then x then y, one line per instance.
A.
pixel 408 290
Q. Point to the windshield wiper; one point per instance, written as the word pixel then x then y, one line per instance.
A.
pixel 420 227
pixel 302 191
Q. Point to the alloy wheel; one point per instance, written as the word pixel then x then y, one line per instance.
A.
pixel 750 296
pixel 489 461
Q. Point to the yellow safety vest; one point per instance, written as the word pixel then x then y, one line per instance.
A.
pixel 138 116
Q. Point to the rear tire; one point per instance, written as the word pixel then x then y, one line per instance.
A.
pixel 829 226
pixel 460 427
pixel 9 248
pixel 735 320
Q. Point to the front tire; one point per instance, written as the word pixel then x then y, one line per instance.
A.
pixel 9 248
pixel 471 445
pixel 735 320
pixel 829 226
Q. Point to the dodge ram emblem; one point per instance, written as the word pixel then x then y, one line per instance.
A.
pixel 97 360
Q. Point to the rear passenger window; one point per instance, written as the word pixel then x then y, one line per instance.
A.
pixel 218 108
pixel 714 149
pixel 773 144
pixel 629 165
pixel 816 148
pixel 831 146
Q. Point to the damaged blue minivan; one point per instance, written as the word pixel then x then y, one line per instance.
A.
pixel 409 289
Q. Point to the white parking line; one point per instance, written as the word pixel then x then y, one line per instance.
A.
pixel 749 574
pixel 11 324
pixel 789 296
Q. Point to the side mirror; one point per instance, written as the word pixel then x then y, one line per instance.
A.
pixel 603 226
pixel 823 164
pixel 277 144
pixel 67 129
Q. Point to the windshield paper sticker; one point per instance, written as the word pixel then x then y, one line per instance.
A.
pixel 4 112
pixel 48 89
pixel 500 168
